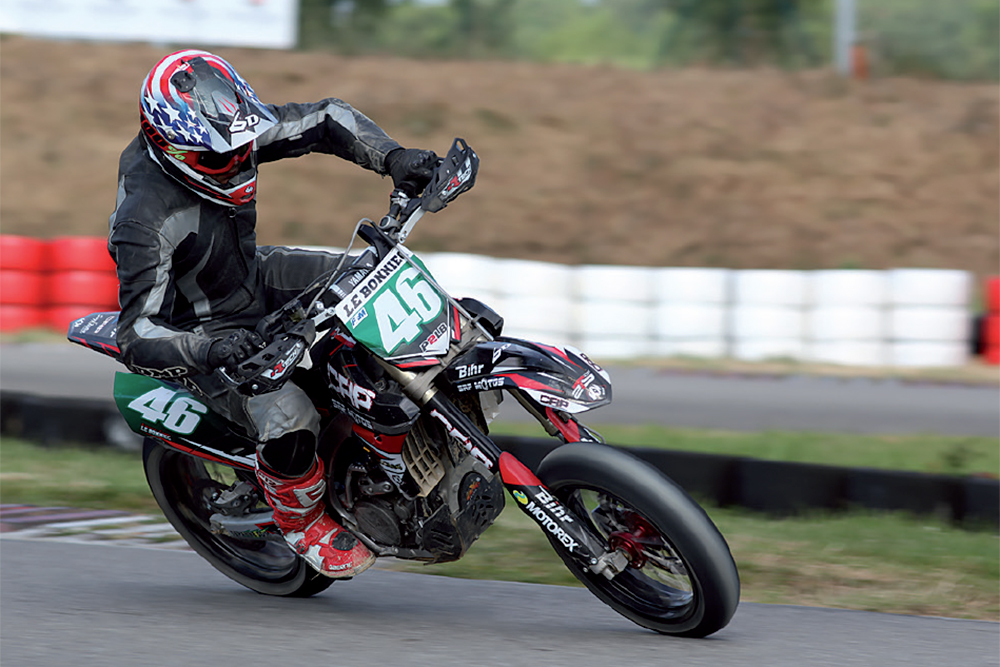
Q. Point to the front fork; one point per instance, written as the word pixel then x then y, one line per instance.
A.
pixel 557 520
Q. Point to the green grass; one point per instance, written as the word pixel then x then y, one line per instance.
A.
pixel 74 476
pixel 859 560
pixel 958 455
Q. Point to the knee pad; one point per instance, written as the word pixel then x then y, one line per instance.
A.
pixel 290 455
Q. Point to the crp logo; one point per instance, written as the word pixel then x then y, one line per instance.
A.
pixel 360 397
pixel 458 179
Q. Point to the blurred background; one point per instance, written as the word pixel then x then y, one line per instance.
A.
pixel 791 135
pixel 761 184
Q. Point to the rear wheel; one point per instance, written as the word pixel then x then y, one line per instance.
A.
pixel 184 485
pixel 681 579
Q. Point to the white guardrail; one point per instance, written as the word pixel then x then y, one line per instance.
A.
pixel 897 317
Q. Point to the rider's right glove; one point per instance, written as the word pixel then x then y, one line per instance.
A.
pixel 234 349
pixel 411 169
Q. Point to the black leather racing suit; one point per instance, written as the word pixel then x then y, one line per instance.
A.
pixel 190 269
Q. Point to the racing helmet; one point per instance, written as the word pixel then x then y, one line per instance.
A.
pixel 201 121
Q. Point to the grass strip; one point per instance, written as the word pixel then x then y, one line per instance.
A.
pixel 75 476
pixel 942 454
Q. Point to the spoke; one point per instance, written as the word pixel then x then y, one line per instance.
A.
pixel 670 563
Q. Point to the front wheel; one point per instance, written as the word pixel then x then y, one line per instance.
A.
pixel 681 579
pixel 183 486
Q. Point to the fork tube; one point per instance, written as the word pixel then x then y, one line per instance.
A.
pixel 460 427
pixel 559 521
pixel 531 495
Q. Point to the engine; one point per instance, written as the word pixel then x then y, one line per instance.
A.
pixel 399 477
pixel 434 511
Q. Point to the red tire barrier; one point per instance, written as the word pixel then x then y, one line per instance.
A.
pixel 21 253
pixel 14 317
pixel 54 282
pixel 991 338
pixel 993 295
pixel 83 287
pixel 991 330
pixel 990 333
pixel 25 288
pixel 79 253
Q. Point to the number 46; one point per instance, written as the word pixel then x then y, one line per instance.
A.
pixel 398 323
pixel 158 406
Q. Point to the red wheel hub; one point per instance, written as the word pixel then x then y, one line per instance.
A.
pixel 630 541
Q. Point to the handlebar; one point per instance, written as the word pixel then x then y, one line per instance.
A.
pixel 404 212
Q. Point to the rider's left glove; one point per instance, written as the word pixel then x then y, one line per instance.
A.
pixel 411 169
pixel 237 347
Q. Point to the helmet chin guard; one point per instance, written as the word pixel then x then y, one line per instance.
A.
pixel 201 121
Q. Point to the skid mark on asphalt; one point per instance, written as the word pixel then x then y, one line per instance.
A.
pixel 70 524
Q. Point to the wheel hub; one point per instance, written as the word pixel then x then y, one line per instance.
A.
pixel 631 540
pixel 627 543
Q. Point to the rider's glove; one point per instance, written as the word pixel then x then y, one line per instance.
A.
pixel 235 348
pixel 411 169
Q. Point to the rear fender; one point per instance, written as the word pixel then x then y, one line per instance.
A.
pixel 98 331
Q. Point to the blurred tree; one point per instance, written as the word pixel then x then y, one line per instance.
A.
pixel 739 31
pixel 344 25
pixel 959 39
pixel 954 39
pixel 485 26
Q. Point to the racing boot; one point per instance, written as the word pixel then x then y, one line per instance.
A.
pixel 301 516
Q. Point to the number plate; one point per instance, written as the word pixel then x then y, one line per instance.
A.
pixel 153 408
pixel 395 312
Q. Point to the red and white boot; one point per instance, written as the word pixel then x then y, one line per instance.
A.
pixel 301 516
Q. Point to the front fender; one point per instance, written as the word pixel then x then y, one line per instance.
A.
pixel 552 376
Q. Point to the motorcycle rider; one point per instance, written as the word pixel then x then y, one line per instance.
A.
pixel 194 284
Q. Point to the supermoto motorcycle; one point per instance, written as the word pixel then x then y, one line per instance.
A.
pixel 406 379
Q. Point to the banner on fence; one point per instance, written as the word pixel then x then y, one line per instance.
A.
pixel 254 23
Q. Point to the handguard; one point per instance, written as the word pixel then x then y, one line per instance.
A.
pixel 270 368
pixel 456 174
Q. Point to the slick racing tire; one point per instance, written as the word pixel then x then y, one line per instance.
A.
pixel 182 485
pixel 681 579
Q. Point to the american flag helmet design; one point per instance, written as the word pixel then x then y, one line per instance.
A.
pixel 201 120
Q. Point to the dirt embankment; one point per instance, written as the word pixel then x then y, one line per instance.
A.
pixel 758 169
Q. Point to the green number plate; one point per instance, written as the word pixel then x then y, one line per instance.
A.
pixel 395 312
pixel 153 408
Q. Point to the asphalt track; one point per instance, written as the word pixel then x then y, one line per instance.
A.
pixel 645 395
pixel 85 604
